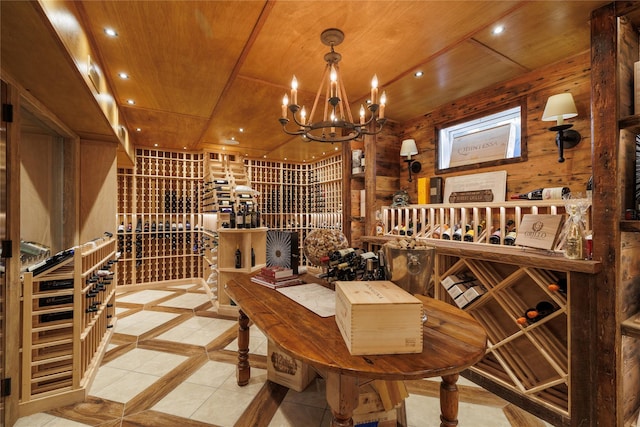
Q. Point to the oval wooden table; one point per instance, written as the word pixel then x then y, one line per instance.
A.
pixel 453 341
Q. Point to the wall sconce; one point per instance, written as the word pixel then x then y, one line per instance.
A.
pixel 558 108
pixel 409 149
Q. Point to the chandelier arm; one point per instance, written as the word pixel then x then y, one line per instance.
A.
pixel 345 99
pixel 327 95
pixel 284 122
pixel 315 101
pixel 379 122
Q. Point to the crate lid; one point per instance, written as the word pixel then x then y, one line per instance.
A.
pixel 375 292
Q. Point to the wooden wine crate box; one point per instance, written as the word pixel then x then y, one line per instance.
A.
pixel 287 371
pixel 378 317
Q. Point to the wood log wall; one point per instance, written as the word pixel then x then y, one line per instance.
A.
pixel 541 169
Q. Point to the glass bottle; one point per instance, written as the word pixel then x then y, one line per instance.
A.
pixel 238 257
pixel 573 243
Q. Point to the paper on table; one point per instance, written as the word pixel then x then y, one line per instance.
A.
pixel 315 297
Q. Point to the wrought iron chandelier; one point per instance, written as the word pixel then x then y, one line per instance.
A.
pixel 337 124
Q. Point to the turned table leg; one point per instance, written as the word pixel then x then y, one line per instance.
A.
pixel 243 370
pixel 342 396
pixel 449 401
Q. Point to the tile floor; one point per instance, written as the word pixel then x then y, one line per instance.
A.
pixel 171 362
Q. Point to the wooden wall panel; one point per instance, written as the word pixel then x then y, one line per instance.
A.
pixel 98 189
pixel 542 168
pixel 41 190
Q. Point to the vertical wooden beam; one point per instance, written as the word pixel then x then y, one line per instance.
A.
pixel 12 267
pixel 606 203
pixel 370 177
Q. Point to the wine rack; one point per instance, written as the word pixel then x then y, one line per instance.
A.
pixel 299 197
pixel 159 217
pixel 68 315
pixel 535 361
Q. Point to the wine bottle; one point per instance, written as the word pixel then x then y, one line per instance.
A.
pixel 510 238
pixel 369 272
pixel 590 187
pixel 550 193
pixel 573 244
pixel 532 315
pixel 240 217
pixel 253 258
pixel 232 218
pixel 380 273
pixel 559 286
pixel 238 258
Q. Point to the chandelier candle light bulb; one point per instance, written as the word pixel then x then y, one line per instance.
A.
pixel 383 101
pixel 374 89
pixel 285 104
pixel 294 91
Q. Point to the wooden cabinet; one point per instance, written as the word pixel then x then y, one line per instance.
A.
pixel 68 312
pixel 252 244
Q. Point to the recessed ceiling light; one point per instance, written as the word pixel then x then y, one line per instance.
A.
pixel 241 130
pixel 138 130
pixel 184 148
pixel 123 75
pixel 131 102
pixel 264 157
pixel 110 32
pixel 418 74
pixel 336 148
pixel 155 145
pixel 498 29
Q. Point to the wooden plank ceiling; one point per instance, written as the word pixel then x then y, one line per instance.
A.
pixel 201 70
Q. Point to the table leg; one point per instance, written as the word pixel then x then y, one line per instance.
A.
pixel 342 397
pixel 449 401
pixel 243 370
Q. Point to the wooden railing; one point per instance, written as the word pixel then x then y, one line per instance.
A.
pixel 430 221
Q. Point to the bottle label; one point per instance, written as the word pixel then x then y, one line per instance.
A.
pixel 554 193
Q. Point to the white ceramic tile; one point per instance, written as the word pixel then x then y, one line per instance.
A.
pixel 223 408
pixel 314 395
pixel 34 420
pixel 294 415
pixel 161 364
pixel 135 359
pixel 145 296
pixel 258 378
pixel 188 300
pixel 125 388
pixel 423 411
pixel 106 376
pixel 141 322
pixel 257 345
pixel 184 400
pixel 213 374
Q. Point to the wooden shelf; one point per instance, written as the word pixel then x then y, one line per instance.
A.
pixel 631 326
pixel 67 315
pixel 630 123
pixel 245 240
pixel 630 226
